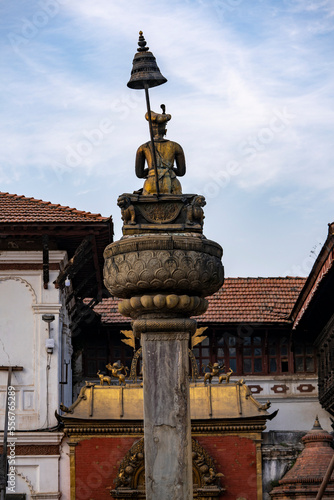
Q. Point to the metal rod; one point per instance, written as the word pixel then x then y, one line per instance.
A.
pixel 4 447
pixel 325 480
pixel 154 157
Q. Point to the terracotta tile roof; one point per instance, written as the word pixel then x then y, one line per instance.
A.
pixel 303 480
pixel 241 300
pixel 254 300
pixel 20 209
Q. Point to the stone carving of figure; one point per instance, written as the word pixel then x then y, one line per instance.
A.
pixel 167 152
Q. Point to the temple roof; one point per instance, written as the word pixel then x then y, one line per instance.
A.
pixel 217 401
pixel 251 300
pixel 309 469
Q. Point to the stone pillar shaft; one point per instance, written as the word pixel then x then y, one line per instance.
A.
pixel 167 425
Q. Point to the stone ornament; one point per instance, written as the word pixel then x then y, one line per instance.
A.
pixel 192 267
pixel 178 304
pixel 171 213
pixel 127 210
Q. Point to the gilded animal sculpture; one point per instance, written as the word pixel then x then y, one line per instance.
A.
pixel 128 213
pixel 226 376
pixel 215 369
pixel 115 372
pixel 103 378
pixel 195 213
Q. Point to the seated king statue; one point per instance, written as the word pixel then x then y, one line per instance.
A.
pixel 167 153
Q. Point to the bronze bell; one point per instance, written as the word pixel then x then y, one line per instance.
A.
pixel 144 68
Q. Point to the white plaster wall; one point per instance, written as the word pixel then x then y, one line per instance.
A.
pixel 23 333
pixel 297 409
pixel 64 468
pixel 38 475
pixel 297 415
pixel 23 302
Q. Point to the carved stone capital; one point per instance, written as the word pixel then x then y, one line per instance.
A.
pixel 157 337
pixel 167 264
pixel 164 328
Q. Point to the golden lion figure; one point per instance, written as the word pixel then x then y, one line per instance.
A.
pixel 115 372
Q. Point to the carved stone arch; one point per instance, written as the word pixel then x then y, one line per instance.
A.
pixel 24 282
pixel 130 481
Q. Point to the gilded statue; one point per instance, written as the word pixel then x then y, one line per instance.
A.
pixel 167 153
pixel 115 372
pixel 215 370
pixel 103 378
pixel 226 376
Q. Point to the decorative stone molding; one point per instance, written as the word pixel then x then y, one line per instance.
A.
pixel 46 496
pixel 27 480
pixel 306 388
pixel 280 388
pixel 164 326
pixel 47 308
pixel 172 264
pixel 161 303
pixel 152 337
pixel 32 256
pixel 255 389
pixel 24 282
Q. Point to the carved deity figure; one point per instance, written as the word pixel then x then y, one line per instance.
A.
pixel 167 152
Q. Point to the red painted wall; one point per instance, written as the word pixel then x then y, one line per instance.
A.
pixel 96 465
pixel 235 457
pixel 97 461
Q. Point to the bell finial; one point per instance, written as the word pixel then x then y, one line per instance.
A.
pixel 142 43
pixel 145 70
pixel 316 425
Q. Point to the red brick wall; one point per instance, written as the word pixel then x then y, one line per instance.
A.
pixel 235 457
pixel 97 461
pixel 96 465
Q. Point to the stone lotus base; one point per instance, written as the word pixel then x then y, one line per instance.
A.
pixel 177 305
pixel 185 264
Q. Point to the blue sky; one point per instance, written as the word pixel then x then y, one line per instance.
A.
pixel 250 90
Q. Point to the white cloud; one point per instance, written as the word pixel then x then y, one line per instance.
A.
pixel 226 80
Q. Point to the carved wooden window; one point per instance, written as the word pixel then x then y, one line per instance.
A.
pixel 279 354
pixel 304 358
pixel 252 355
pixel 255 352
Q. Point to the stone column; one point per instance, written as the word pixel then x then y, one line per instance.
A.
pixel 163 279
pixel 167 425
